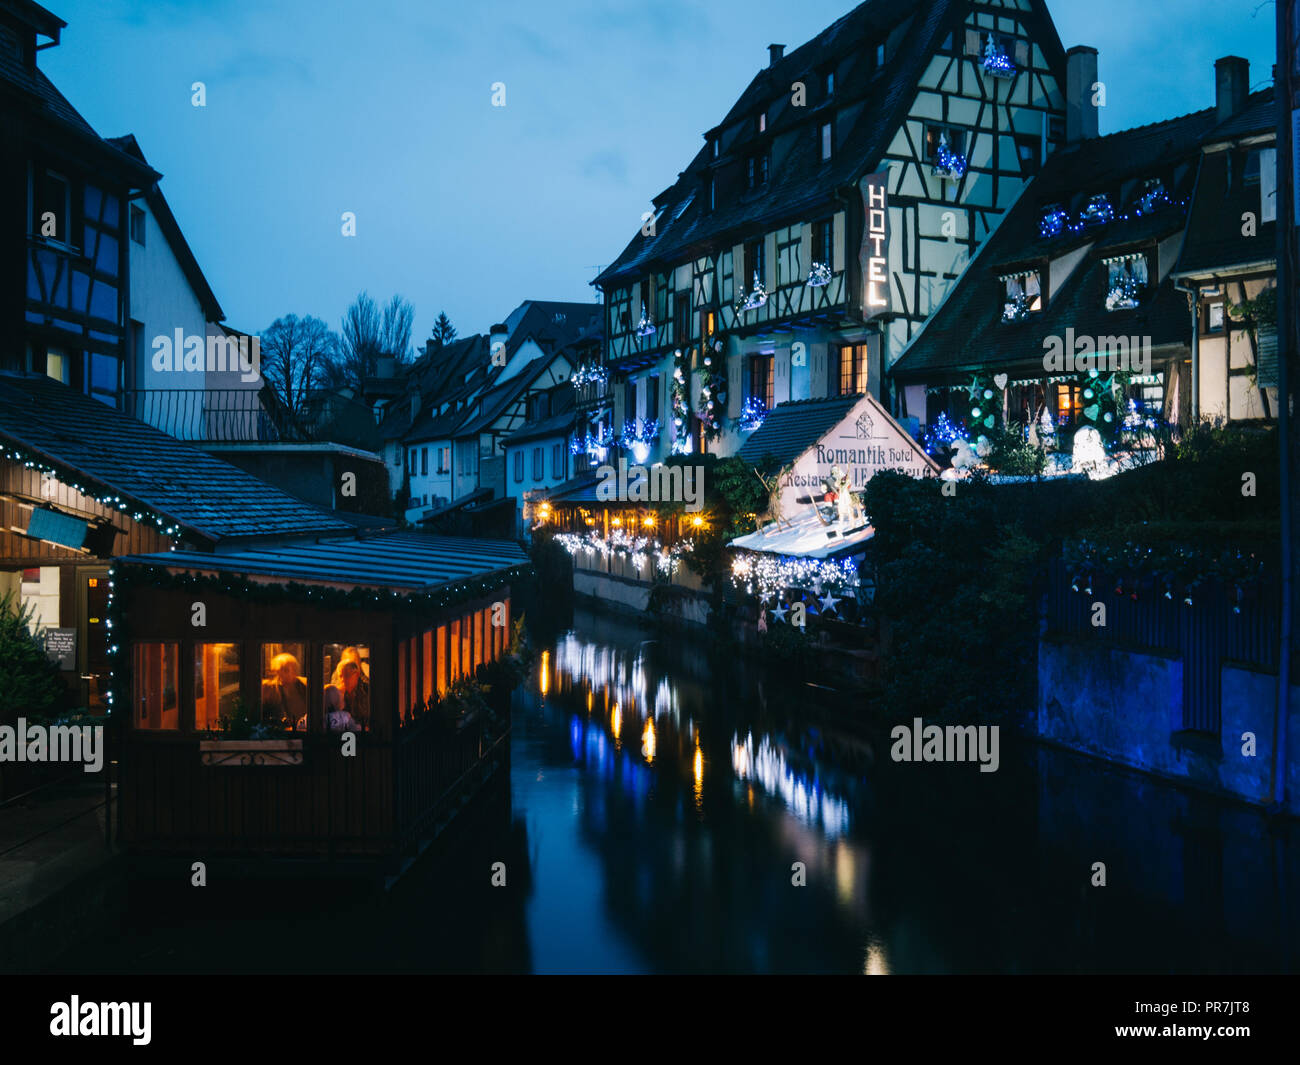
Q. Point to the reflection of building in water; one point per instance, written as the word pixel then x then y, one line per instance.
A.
pixel 807 800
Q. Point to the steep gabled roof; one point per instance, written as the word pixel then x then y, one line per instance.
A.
pixel 966 331
pixel 171 229
pixel 800 181
pixel 95 444
pixel 1215 240
pixel 792 428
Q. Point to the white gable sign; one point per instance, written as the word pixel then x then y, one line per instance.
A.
pixel 865 442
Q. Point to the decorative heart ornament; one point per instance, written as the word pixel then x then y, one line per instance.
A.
pixel 1000 380
pixel 1091 412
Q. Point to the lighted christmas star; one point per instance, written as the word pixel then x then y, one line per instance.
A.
pixel 974 389
pixel 779 612
pixel 828 601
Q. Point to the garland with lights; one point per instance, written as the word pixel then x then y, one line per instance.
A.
pixel 127 506
pixel 638 549
pixel 713 390
pixel 645 327
pixel 1016 309
pixel 681 402
pixel 596 446
pixel 819 274
pixel 1124 294
pixel 124 578
pixel 1148 569
pixel 768 575
pixel 1056 220
pixel 940 437
pixel 756 298
pixel 589 375
pixel 1153 198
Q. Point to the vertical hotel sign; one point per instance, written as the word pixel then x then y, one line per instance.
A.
pixel 875 244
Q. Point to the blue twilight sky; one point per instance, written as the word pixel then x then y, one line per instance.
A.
pixel 384 108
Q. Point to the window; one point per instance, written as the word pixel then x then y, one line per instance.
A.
pixel 557 461
pixel 821 241
pixel 539 464
pixel 137 225
pixel 52 207
pixel 284 686
pixel 424 462
pixel 1023 297
pixel 444 460
pixel 519 466
pixel 950 136
pixel 713 198
pixel 829 83
pixel 853 369
pixel 1126 281
pixel 652 398
pixel 761 382
pixel 1250 169
pixel 755 261
pixel 762 122
pixel 682 317
pixel 539 403
pixel 1029 152
pixel 629 400
pixel 105 372
pixel 1069 404
pixel 410 460
pixel 1214 317
pixel 216 683
pixel 157 669
pixel 713 143
pixel 880 54
pixel 346 702
pixel 827 141
pixel 755 171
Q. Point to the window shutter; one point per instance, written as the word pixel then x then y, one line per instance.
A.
pixel 1266 367
pixel 734 389
pixel 769 262
pixel 837 242
pixel 1022 55
pixel 973 44
pixel 805 249
pixel 739 280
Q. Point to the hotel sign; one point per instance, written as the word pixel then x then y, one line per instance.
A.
pixel 873 255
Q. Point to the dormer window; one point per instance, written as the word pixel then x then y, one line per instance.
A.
pixel 1024 296
pixel 827 141
pixel 1153 197
pixel 1127 279
pixel 830 83
pixel 755 171
pixel 880 54
pixel 713 194
pixel 713 147
pixel 762 122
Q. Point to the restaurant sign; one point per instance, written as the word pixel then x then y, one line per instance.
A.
pixel 865 442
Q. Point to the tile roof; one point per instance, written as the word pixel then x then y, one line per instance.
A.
pixel 800 181
pixel 556 425
pixel 415 562
pixel 1214 229
pixel 966 331
pixel 211 499
pixel 792 428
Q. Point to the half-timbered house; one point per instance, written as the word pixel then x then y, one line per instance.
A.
pixel 828 214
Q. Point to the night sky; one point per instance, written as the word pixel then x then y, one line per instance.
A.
pixel 384 109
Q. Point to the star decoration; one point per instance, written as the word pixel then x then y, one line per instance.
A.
pixel 973 390
pixel 828 602
pixel 780 612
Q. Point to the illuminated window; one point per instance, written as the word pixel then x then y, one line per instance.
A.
pixel 853 369
pixel 157 703
pixel 347 690
pixel 284 686
pixel 827 140
pixel 216 683
pixel 761 381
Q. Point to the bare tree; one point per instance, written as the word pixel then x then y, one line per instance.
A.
pixel 298 355
pixel 369 333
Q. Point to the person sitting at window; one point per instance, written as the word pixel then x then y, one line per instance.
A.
pixel 284 693
pixel 353 688
pixel 337 719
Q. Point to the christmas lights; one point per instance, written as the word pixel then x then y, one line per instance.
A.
pixel 767 575
pixel 752 414
pixel 818 275
pixel 948 164
pixel 996 62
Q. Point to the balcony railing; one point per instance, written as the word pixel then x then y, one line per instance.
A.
pixel 224 415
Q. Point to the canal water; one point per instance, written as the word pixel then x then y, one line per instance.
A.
pixel 670 812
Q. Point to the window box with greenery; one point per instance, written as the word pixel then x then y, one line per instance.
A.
pixel 243 740
pixel 946 150
pixel 1126 282
pixel 1023 296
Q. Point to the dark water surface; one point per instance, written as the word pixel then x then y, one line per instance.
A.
pixel 657 805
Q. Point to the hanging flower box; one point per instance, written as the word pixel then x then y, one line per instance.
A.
pixel 1052 224
pixel 645 327
pixel 1016 309
pixel 589 375
pixel 1154 196
pixel 250 752
pixel 819 275
pixel 1098 212
pixel 756 298
pixel 752 414
pixel 997 62
pixel 1123 295
pixel 947 163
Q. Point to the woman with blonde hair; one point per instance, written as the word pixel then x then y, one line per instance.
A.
pixel 347 696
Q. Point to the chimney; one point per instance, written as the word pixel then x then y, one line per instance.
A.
pixel 1231 86
pixel 774 54
pixel 1080 77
